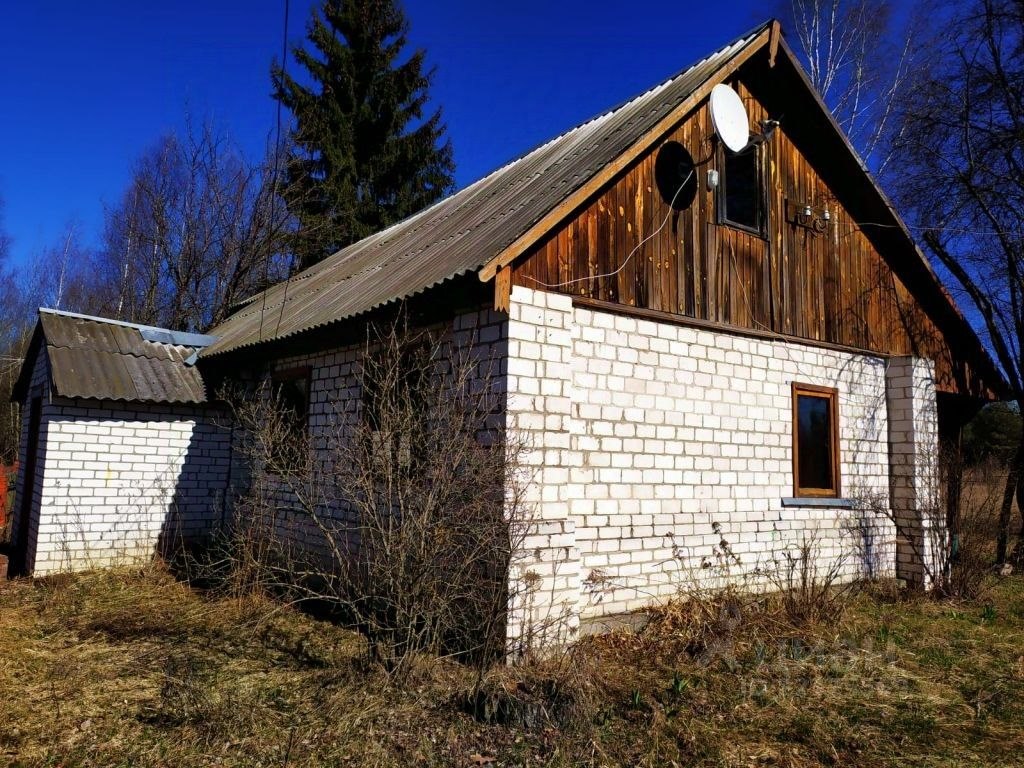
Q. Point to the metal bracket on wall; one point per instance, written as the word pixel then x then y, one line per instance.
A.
pixel 807 216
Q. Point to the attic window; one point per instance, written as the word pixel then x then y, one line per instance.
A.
pixel 741 193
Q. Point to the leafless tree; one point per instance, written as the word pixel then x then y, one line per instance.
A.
pixel 199 229
pixel 60 276
pixel 862 62
pixel 12 341
pixel 403 512
pixel 64 275
pixel 962 142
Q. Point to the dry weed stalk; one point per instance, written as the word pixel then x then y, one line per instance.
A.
pixel 811 590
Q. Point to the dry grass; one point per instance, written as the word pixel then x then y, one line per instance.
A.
pixel 133 668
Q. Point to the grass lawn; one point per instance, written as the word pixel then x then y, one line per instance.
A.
pixel 135 669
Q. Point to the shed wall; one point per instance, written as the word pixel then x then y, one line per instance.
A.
pixel 38 387
pixel 118 482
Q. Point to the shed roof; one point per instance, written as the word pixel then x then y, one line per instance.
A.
pixel 465 231
pixel 91 357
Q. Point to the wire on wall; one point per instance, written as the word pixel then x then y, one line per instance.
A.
pixel 637 247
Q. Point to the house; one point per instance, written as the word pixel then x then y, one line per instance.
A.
pixel 710 351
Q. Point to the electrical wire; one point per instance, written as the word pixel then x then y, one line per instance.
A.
pixel 637 247
pixel 276 172
pixel 859 225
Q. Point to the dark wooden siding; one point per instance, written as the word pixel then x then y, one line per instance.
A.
pixel 832 287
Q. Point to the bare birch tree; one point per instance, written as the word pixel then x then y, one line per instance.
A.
pixel 199 229
pixel 11 345
pixel 861 61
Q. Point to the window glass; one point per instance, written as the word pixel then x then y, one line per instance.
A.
pixel 291 391
pixel 741 195
pixel 815 442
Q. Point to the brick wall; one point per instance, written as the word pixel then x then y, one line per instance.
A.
pixel 663 456
pixel 116 482
pixel 38 387
pixel 335 407
pixel 540 405
pixel 913 462
pixel 659 458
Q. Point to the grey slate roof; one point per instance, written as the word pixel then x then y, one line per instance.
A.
pixel 91 357
pixel 462 232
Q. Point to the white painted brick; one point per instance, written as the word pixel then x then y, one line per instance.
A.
pixel 697 424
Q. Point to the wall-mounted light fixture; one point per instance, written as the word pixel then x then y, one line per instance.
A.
pixel 807 216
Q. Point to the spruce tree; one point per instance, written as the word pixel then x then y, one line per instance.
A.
pixel 362 154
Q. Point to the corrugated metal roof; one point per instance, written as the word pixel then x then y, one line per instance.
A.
pixel 463 232
pixel 109 360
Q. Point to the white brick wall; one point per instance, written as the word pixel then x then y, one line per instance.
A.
pixel 118 481
pixel 656 442
pixel 539 407
pixel 336 403
pixel 659 458
pixel 914 494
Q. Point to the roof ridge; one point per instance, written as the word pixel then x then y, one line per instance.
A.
pixel 200 339
pixel 604 114
pixel 120 353
pixel 460 233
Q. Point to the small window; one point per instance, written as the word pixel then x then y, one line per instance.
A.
pixel 393 386
pixel 741 197
pixel 291 393
pixel 815 441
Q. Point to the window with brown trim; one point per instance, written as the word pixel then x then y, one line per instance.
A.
pixel 815 441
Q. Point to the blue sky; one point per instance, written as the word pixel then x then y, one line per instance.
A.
pixel 89 86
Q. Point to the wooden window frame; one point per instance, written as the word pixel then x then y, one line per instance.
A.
pixel 761 230
pixel 832 394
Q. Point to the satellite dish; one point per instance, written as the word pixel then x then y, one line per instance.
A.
pixel 729 117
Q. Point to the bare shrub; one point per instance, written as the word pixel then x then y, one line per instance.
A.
pixel 400 514
pixel 722 604
pixel 950 538
pixel 809 586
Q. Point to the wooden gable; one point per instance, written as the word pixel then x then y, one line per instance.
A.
pixel 844 282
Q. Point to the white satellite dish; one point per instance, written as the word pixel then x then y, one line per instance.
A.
pixel 729 117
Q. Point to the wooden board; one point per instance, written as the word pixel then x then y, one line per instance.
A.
pixel 829 285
